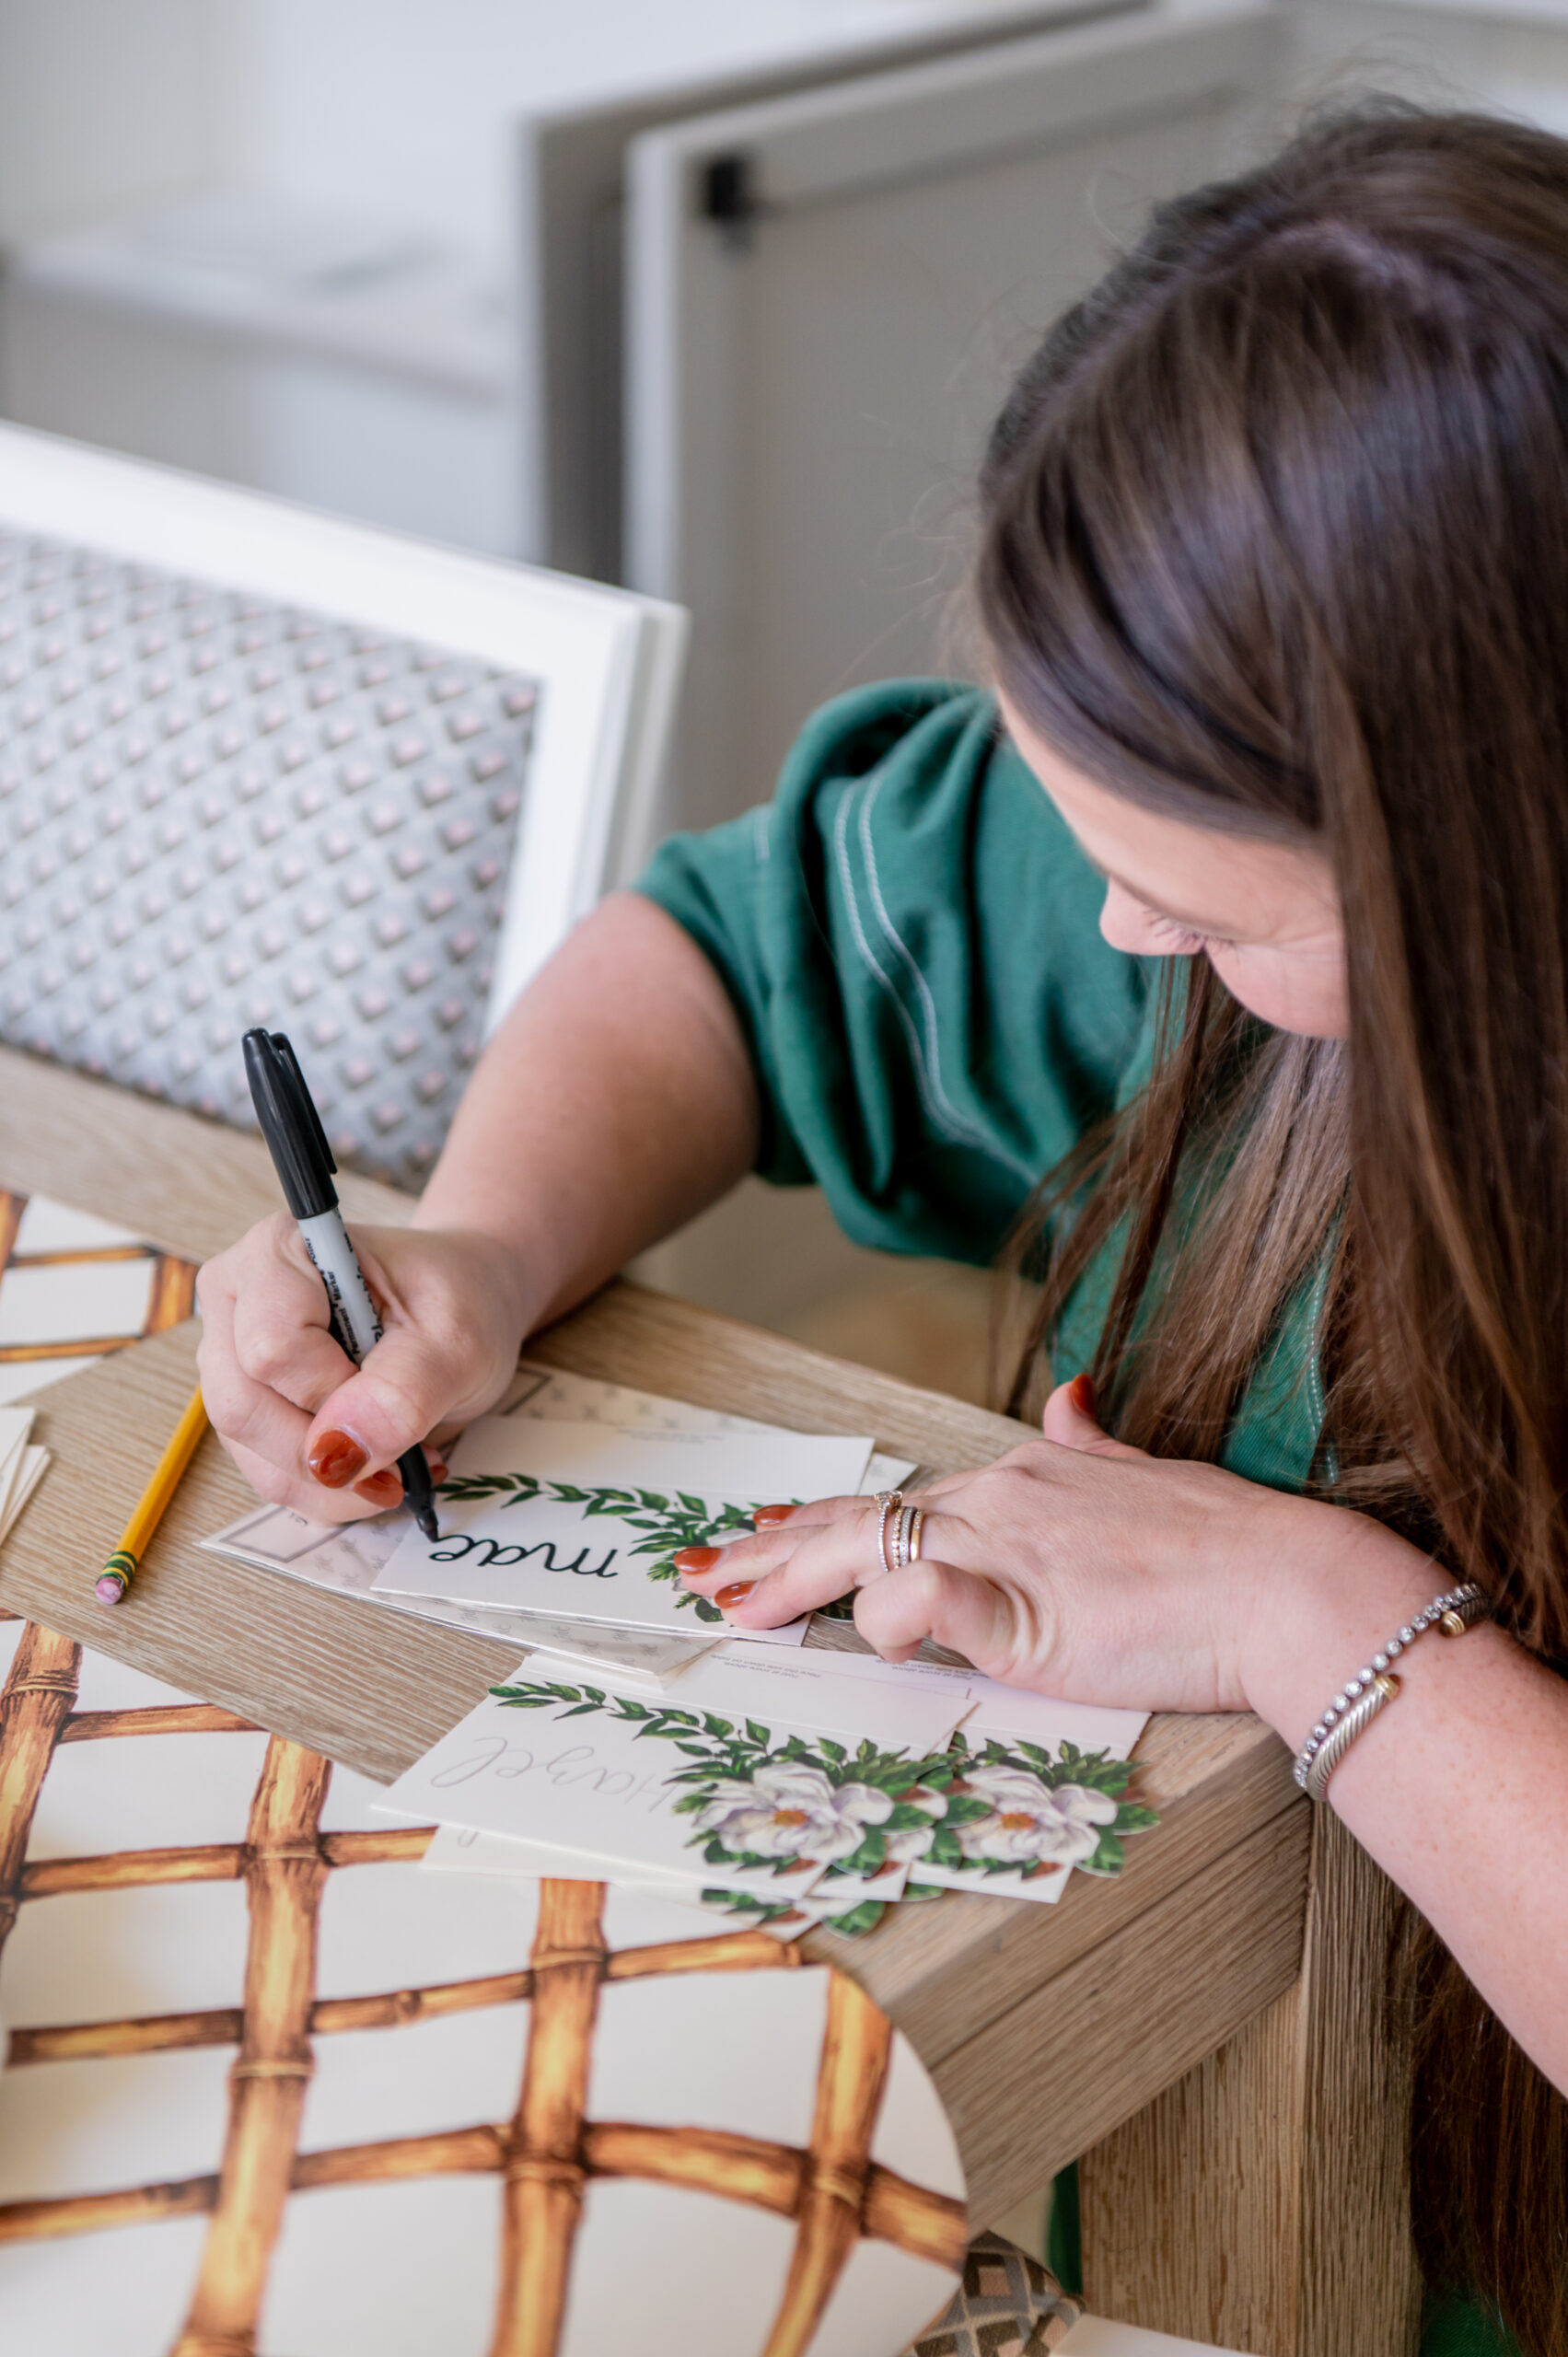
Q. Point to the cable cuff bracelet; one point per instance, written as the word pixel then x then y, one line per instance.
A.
pixel 1361 1697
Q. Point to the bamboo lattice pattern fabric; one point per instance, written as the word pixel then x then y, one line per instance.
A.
pixel 546 2156
pixel 51 1335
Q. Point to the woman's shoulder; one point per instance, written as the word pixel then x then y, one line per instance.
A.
pixel 908 935
pixel 924 769
pixel 912 734
pixel 909 803
pixel 922 722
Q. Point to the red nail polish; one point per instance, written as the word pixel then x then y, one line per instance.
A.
pixel 1081 1391
pixel 438 1471
pixel 336 1458
pixel 697 1559
pixel 382 1489
pixel 765 1517
pixel 725 1596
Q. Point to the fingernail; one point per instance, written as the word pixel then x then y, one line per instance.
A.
pixel 438 1471
pixel 725 1596
pixel 1081 1391
pixel 336 1458
pixel 697 1559
pixel 765 1517
pixel 381 1490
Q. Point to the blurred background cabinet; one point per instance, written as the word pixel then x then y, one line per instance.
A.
pixel 827 296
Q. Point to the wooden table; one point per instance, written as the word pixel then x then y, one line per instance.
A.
pixel 1206 2030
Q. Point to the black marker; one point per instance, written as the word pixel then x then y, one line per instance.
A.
pixel 303 1161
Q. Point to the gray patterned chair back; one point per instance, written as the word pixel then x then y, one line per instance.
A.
pixel 217 811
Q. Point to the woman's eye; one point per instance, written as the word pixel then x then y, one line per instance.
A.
pixel 1179 940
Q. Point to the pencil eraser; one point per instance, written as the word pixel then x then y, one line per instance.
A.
pixel 111 1588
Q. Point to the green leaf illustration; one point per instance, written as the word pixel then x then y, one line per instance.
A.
pixel 746 1902
pixel 965 1810
pixel 1108 1857
pixel 856 1921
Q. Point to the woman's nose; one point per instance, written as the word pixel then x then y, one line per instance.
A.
pixel 1128 926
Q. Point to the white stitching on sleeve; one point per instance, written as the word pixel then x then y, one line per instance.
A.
pixel 957 1123
pixel 938 1109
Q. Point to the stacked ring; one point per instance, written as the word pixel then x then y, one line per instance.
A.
pixel 885 1501
pixel 906 1537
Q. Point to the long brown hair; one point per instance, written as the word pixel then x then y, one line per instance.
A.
pixel 1276 539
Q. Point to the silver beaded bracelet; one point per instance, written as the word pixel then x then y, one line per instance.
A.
pixel 1361 1697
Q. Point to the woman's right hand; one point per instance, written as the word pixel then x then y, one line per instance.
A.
pixel 623 1055
pixel 304 1428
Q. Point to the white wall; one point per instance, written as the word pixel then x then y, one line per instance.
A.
pixel 398 107
pixel 1512 54
pixel 405 102
pixel 103 103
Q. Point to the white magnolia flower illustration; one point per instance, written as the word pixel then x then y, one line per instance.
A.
pixel 791 1810
pixel 1031 1821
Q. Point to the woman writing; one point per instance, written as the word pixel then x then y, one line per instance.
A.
pixel 1219 958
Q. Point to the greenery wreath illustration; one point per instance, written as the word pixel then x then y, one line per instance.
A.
pixel 999 1810
pixel 668 1524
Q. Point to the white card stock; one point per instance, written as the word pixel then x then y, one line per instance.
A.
pixel 584 1521
pixel 593 1786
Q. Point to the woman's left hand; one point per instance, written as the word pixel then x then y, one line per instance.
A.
pixel 1074 1565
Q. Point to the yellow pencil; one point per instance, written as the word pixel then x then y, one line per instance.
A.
pixel 120 1569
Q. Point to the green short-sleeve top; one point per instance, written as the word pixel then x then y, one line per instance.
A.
pixel 909 934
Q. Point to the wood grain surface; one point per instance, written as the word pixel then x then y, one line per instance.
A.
pixel 1282 2161
pixel 1044 2026
pixel 1136 2009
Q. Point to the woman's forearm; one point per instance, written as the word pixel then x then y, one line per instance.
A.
pixel 1459 1788
pixel 616 1101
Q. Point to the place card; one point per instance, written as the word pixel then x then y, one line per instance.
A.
pixel 345 1556
pixel 585 1520
pixel 457 1849
pixel 806 1688
pixel 757 1805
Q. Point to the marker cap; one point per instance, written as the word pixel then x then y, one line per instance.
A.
pixel 290 1123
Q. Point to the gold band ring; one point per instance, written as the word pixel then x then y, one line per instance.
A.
pixel 906 1537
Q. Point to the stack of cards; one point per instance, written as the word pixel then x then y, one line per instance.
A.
pixel 585 1521
pixel 22 1465
pixel 779 1782
pixel 810 1786
pixel 648 1641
